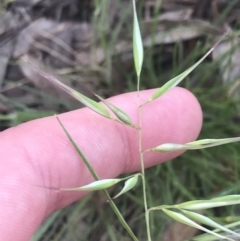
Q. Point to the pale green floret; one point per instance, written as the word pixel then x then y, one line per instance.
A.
pixel 182 219
pixel 122 116
pixel 207 221
pixel 212 203
pixel 137 43
pixel 129 184
pixel 94 186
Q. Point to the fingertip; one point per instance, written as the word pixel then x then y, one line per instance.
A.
pixel 176 117
pixel 190 111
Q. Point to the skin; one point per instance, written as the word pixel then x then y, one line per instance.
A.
pixel 38 154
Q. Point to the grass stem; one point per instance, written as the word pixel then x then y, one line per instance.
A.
pixel 94 174
pixel 142 162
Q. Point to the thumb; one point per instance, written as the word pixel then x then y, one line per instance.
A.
pixel 39 153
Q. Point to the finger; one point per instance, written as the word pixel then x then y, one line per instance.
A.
pixel 39 153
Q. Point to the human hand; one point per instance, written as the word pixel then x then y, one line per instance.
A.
pixel 38 154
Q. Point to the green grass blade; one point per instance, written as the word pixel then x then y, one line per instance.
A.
pixel 176 80
pixel 137 42
pixel 94 174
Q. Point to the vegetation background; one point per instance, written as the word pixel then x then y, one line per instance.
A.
pixel 88 45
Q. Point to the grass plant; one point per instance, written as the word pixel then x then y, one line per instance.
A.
pixel 185 212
